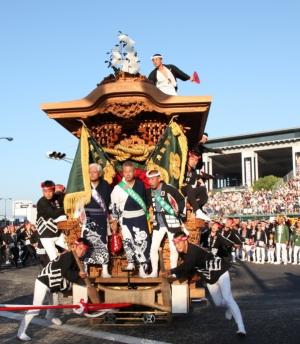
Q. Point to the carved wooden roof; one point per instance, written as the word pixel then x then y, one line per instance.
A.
pixel 128 100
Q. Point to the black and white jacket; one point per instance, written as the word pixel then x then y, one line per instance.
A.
pixel 48 212
pixel 199 261
pixel 177 73
pixel 220 246
pixel 191 176
pixel 60 273
pixel 260 238
pixel 173 197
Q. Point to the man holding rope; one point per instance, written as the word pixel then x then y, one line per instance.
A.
pixel 57 276
pixel 201 264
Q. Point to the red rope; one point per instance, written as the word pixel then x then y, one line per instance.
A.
pixel 86 306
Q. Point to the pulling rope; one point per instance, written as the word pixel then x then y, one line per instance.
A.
pixel 82 308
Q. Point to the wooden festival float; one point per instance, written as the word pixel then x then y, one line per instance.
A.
pixel 127 115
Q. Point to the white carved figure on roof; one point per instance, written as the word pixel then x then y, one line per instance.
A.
pixel 123 56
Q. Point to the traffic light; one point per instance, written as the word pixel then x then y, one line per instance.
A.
pixel 56 155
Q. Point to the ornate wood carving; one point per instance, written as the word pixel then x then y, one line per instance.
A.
pixel 127 109
pixel 107 135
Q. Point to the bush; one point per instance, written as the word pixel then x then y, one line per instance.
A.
pixel 266 183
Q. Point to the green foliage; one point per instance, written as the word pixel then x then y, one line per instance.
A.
pixel 266 183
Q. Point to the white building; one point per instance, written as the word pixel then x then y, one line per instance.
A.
pixel 246 158
pixel 25 209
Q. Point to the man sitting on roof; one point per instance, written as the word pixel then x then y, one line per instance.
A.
pixel 164 76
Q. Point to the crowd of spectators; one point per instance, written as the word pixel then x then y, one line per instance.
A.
pixel 274 241
pixel 18 245
pixel 285 199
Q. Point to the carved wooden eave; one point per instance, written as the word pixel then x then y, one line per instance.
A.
pixel 127 100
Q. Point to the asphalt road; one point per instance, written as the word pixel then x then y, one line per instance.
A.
pixel 268 296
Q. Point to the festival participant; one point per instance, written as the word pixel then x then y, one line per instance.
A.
pixel 218 245
pixel 96 223
pixel 245 238
pixel 213 270
pixel 194 188
pixel 41 253
pixel 164 76
pixel 168 207
pixel 28 249
pixel 290 245
pixel 57 276
pixel 229 232
pixel 50 211
pixel 5 237
pixel 296 240
pixel 271 249
pixel 201 148
pixel 128 201
pixel 281 239
pixel 13 244
pixel 260 240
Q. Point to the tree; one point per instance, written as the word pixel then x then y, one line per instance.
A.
pixel 266 183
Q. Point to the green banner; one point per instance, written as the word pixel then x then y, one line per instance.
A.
pixel 78 187
pixel 170 155
pixel 97 155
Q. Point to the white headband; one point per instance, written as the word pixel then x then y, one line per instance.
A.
pixel 150 175
pixel 153 56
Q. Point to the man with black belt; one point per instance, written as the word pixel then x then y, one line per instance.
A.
pixel 164 76
pixel 213 270
pixel 217 244
pixel 50 211
pixel 168 207
pixel 128 200
pixel 230 233
pixel 194 187
pixel 57 276
pixel 96 225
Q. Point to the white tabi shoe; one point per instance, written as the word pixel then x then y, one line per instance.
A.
pixel 142 272
pixel 202 216
pixel 228 314
pixel 153 274
pixel 130 267
pixel 105 273
pixel 241 333
pixel 55 321
pixel 23 337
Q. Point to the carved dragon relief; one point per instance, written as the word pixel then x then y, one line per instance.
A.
pixel 127 109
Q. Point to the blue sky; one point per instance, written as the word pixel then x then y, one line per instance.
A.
pixel 246 53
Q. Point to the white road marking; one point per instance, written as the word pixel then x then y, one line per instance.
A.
pixel 114 337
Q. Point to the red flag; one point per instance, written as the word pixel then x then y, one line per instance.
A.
pixel 196 78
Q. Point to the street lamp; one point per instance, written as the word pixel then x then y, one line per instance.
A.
pixel 6 138
pixel 5 199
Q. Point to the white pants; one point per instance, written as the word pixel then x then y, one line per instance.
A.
pixel 50 243
pixel 222 296
pixel 135 251
pixel 238 252
pixel 40 292
pixel 271 255
pixel 246 252
pixel 296 254
pixel 260 254
pixel 157 237
pixel 281 253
